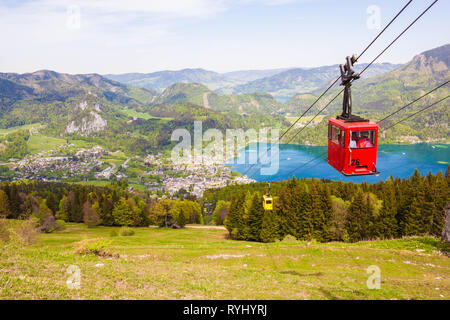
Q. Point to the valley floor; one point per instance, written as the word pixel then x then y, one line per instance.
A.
pixel 200 263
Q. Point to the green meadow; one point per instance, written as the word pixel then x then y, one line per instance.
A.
pixel 201 263
pixel 38 143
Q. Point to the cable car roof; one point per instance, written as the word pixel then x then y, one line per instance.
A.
pixel 353 125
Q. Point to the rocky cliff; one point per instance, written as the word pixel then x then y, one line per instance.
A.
pixel 86 118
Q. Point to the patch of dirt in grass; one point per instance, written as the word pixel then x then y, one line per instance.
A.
pixel 225 256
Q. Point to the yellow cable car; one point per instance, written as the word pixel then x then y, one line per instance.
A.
pixel 268 201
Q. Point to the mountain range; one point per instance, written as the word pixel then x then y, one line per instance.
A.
pixel 219 82
pixel 49 85
pixel 280 83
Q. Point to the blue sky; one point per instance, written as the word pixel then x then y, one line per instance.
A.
pixel 112 36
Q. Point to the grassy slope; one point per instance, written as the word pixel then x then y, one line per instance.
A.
pixel 38 143
pixel 173 264
pixel 17 128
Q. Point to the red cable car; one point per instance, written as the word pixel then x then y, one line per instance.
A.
pixel 352 140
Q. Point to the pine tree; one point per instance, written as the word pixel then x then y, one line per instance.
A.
pixel 244 214
pixel 14 201
pixel 371 214
pixel 404 196
pixel 232 220
pixel 387 224
pixel 106 206
pixel 324 224
pixel 414 218
pixel 181 219
pixel 427 206
pixel 255 217
pixel 412 223
pixel 63 209
pixel 440 199
pixel 52 202
pixel 4 205
pixel 269 227
pixel 290 207
pixel 304 215
pixel 318 218
pixel 356 218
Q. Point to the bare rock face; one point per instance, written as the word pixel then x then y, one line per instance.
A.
pixel 86 119
pixel 446 231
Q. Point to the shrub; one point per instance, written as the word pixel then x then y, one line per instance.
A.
pixel 95 246
pixel 61 224
pixel 234 233
pixel 49 223
pixel 27 231
pixel 181 220
pixel 5 234
pixel 289 238
pixel 113 233
pixel 90 216
pixel 126 231
pixel 220 212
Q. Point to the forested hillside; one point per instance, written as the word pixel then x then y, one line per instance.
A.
pixel 310 209
pixel 306 209
pixel 47 86
pixel 201 95
pixel 113 204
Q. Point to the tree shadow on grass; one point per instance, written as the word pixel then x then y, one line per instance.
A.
pixel 295 273
pixel 356 295
pixel 438 244
pixel 328 295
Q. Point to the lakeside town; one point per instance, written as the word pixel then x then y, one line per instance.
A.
pixel 157 173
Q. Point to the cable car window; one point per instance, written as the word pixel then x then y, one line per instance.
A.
pixel 329 131
pixel 335 134
pixel 342 138
pixel 362 139
pixel 268 201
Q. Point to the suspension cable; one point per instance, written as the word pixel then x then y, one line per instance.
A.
pixel 424 95
pixel 415 113
pixel 384 50
pixel 335 81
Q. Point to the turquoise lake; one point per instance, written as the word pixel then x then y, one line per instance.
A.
pixel 397 160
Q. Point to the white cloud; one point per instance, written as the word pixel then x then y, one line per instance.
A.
pixel 46 23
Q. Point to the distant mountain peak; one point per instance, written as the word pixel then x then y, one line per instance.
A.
pixel 434 60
